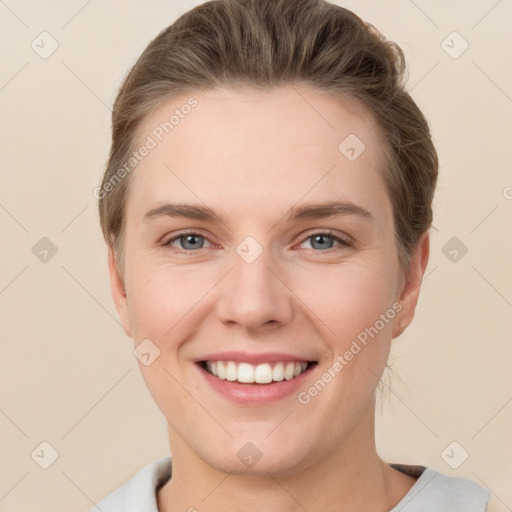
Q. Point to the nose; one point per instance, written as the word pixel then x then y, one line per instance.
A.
pixel 254 296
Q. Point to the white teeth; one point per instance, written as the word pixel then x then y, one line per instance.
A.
pixel 261 374
pixel 231 371
pixel 278 372
pixel 221 370
pixel 289 371
pixel 245 373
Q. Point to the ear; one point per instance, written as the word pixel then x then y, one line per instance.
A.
pixel 118 293
pixel 411 284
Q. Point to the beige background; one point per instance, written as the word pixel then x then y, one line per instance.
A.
pixel 68 375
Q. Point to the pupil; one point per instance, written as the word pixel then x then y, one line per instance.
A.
pixel 191 240
pixel 322 240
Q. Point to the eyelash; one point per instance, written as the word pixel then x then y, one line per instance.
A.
pixel 342 241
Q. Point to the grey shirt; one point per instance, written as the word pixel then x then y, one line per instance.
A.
pixel 432 492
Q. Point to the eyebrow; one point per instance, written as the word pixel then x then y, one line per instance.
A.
pixel 309 211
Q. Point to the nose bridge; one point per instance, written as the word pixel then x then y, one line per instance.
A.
pixel 252 295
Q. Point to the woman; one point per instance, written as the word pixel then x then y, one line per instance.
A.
pixel 267 205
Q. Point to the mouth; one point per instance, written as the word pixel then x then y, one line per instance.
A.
pixel 257 384
pixel 263 373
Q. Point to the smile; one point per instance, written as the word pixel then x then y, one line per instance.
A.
pixel 263 373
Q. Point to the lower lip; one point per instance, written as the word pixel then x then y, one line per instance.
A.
pixel 255 394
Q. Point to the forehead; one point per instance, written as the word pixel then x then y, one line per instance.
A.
pixel 242 147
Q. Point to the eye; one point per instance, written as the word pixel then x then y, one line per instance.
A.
pixel 188 242
pixel 191 241
pixel 323 240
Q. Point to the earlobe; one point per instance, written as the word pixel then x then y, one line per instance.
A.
pixel 119 293
pixel 411 286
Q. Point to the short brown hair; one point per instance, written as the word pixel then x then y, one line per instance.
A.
pixel 267 43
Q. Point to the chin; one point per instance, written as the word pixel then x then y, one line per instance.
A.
pixel 257 458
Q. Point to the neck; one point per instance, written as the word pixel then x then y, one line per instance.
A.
pixel 352 477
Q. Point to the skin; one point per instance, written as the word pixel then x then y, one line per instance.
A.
pixel 250 156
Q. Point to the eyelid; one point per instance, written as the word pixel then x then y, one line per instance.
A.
pixel 343 239
pixel 167 243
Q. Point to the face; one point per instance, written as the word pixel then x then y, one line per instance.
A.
pixel 259 248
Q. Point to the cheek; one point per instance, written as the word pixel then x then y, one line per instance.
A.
pixel 163 304
pixel 355 304
pixel 348 298
pixel 161 298
pixel 357 310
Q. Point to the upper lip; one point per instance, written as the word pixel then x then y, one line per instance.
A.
pixel 253 358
